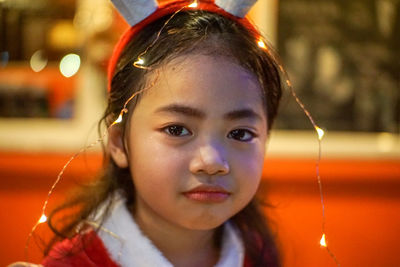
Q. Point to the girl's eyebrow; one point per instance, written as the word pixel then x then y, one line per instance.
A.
pixel 245 113
pixel 181 109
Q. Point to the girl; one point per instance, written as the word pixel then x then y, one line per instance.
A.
pixel 193 93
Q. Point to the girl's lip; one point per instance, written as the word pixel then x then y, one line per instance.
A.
pixel 207 194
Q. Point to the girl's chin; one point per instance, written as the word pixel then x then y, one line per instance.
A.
pixel 205 225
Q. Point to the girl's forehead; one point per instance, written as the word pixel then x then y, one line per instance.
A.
pixel 214 74
pixel 203 61
pixel 204 81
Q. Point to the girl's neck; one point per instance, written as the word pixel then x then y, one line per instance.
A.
pixel 181 246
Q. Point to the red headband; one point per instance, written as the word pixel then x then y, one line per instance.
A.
pixel 164 9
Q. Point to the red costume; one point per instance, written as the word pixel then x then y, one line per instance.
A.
pixel 91 254
pixel 120 242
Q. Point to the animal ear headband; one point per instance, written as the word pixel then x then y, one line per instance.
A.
pixel 140 13
pixel 134 11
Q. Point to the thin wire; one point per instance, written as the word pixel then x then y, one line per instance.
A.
pixel 54 186
pixel 321 195
pixel 60 174
pixel 140 61
pixel 104 229
pixel 318 161
pixel 123 111
pixel 111 233
pixel 139 64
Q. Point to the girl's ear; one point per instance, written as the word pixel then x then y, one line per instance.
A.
pixel 116 146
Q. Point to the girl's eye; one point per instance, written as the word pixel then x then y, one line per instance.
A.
pixel 242 135
pixel 176 130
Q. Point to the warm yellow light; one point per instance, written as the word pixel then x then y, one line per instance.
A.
pixel 119 119
pixel 322 242
pixel 262 44
pixel 43 219
pixel 320 132
pixel 70 64
pixel 193 5
pixel 61 35
pixel 139 61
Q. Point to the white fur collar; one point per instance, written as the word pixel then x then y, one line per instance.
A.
pixel 129 247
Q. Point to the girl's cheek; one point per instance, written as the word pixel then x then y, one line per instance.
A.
pixel 166 154
pixel 251 163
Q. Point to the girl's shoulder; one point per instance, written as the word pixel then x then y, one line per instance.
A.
pixel 84 249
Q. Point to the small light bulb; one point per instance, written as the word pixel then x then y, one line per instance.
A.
pixel 193 5
pixel 322 242
pixel 119 119
pixel 140 64
pixel 320 132
pixel 261 44
pixel 43 218
pixel 139 61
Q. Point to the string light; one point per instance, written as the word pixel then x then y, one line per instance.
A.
pixel 261 44
pixel 121 114
pixel 140 63
pixel 322 242
pixel 193 5
pixel 124 110
pixel 119 120
pixel 320 132
pixel 42 219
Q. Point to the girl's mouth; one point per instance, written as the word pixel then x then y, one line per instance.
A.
pixel 207 194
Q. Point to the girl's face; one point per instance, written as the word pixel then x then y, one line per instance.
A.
pixel 196 143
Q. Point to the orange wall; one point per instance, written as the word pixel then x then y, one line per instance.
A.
pixel 362 200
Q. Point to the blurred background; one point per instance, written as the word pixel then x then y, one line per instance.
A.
pixel 342 58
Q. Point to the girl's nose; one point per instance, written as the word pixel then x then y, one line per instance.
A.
pixel 209 160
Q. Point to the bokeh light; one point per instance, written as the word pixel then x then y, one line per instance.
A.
pixel 38 61
pixel 70 64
